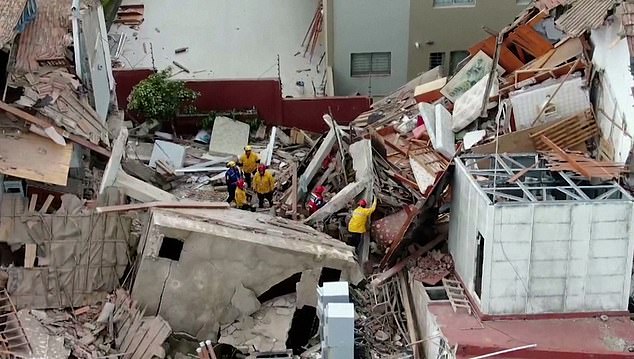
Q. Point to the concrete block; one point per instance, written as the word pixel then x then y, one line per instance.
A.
pixel 608 212
pixel 543 232
pixel 604 301
pixel 578 267
pixel 615 248
pixel 575 287
pixel 228 137
pixel 605 284
pixel 508 305
pixel 581 222
pixel 574 303
pixel 515 214
pixel 540 305
pixel 579 250
pixel 170 152
pixel 511 251
pixel 606 266
pixel 514 233
pixel 609 230
pixel 506 270
pixel 549 269
pixel 548 251
pixel 547 287
pixel 506 288
pixel 552 214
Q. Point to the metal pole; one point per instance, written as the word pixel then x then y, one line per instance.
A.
pixel 505 351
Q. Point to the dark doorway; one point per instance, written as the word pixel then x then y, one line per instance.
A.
pixel 287 286
pixel 4 61
pixel 479 265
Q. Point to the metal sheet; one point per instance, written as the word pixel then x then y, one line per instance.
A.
pixel 390 229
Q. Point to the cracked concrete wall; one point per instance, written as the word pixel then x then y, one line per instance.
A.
pixel 196 294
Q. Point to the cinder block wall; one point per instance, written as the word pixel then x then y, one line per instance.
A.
pixel 557 257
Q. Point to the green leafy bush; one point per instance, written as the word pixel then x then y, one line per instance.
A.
pixel 159 98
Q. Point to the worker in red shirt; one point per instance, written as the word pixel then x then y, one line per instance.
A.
pixel 316 200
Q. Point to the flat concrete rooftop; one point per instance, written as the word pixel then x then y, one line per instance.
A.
pixel 555 338
pixel 237 39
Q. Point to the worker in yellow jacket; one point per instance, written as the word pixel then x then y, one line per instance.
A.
pixel 249 162
pixel 358 224
pixel 241 196
pixel 264 186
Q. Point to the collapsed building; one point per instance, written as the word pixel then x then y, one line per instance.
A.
pixel 503 222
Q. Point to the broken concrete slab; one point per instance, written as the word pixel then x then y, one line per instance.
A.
pixel 445 138
pixel 245 300
pixel 472 138
pixel 338 202
pixel 266 330
pixel 228 137
pixel 267 154
pixel 223 249
pixel 43 345
pixel 114 175
pixel 315 164
pixel 305 289
pixel 362 163
pixel 169 152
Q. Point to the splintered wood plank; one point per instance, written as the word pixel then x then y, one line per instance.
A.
pixel 29 255
pixel 564 156
pixel 36 158
pixel 567 133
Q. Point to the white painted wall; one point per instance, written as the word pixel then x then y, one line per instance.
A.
pixel 543 257
pixel 568 257
pixel 470 214
pixel 369 26
pixel 615 103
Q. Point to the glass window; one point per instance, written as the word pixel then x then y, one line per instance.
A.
pixel 370 63
pixel 436 59
pixel 450 3
pixel 455 58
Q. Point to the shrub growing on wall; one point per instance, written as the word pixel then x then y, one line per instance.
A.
pixel 159 98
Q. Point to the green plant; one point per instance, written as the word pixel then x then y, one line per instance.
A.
pixel 208 122
pixel 159 98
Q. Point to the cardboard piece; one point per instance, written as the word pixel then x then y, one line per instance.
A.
pixel 169 152
pixel 429 92
pixel 228 137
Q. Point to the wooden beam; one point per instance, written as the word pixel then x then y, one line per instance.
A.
pixel 161 204
pixel 45 125
pixel 564 156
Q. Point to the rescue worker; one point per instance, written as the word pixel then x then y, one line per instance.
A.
pixel 231 178
pixel 249 162
pixel 316 200
pixel 264 185
pixel 358 224
pixel 241 196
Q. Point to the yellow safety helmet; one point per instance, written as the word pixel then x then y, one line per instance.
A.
pixel 247 148
pixel 231 164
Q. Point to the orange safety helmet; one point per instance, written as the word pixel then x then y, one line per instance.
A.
pixel 363 203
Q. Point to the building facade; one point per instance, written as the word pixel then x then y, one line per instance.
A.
pixel 373 46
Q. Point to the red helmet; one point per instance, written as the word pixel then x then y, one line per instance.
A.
pixel 363 203
pixel 241 183
pixel 261 168
pixel 320 190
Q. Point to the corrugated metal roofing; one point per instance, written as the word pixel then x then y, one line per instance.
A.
pixel 547 5
pixel 10 13
pixel 584 15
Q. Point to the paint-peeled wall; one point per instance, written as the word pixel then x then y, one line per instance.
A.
pixel 559 258
pixel 614 105
pixel 362 26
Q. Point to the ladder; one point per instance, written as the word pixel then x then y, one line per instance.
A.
pixel 455 293
pixel 13 340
